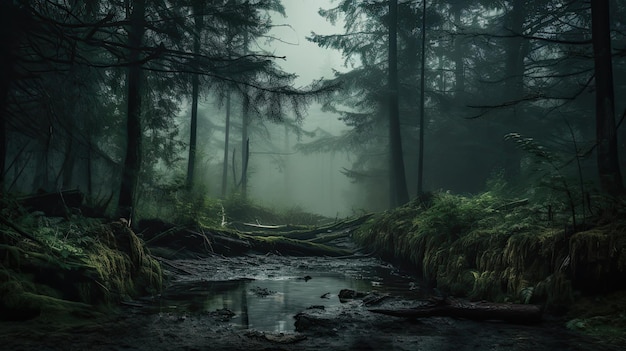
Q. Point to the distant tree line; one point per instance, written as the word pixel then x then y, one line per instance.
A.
pixel 500 78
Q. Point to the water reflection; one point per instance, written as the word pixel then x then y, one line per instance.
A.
pixel 273 310
pixel 270 304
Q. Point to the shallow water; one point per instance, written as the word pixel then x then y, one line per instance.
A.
pixel 271 293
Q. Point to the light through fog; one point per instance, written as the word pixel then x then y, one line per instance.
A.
pixel 312 182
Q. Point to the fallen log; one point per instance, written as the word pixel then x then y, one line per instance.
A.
pixel 511 313
pixel 307 233
pixel 158 234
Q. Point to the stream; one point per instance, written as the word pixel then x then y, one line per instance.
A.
pixel 273 302
pixel 270 291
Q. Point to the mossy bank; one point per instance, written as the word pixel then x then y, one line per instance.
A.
pixel 484 247
pixel 52 266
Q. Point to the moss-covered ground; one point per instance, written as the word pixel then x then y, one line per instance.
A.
pixel 484 247
pixel 64 267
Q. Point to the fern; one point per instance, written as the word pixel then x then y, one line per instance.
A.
pixel 543 155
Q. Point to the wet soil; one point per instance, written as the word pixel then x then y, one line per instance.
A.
pixel 204 304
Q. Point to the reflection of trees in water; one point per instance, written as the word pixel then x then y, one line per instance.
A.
pixel 244 306
pixel 273 311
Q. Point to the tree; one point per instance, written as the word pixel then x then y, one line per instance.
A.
pixel 132 161
pixel 516 47
pixel 245 123
pixel 398 192
pixel 606 134
pixel 195 91
pixel 420 162
pixel 10 32
pixel 363 103
pixel 226 146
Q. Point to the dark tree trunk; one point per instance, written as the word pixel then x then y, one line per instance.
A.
pixel 89 161
pixel 514 84
pixel 606 136
pixel 459 64
pixel 3 130
pixel 9 31
pixel 195 87
pixel 420 161
pixel 67 168
pixel 397 183
pixel 226 144
pixel 245 142
pixel 132 162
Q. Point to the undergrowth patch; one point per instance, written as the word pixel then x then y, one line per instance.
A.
pixel 486 247
pixel 55 265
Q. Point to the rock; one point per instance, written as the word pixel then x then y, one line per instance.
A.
pixel 223 314
pixel 349 294
pixel 262 292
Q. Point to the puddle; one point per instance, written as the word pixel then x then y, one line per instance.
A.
pixel 267 298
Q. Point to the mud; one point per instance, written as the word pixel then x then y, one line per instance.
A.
pixel 173 322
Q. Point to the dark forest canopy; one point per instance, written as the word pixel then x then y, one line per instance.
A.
pixel 522 92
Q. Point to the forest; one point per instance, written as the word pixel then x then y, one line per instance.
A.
pixel 176 172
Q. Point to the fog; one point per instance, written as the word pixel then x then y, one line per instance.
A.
pixel 313 182
pixel 280 176
pixel 464 97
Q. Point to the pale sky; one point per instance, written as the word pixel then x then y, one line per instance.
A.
pixel 304 58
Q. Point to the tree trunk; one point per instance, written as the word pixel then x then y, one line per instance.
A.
pixel 459 64
pixel 397 183
pixel 245 120
pixel 3 130
pixel 69 159
pixel 132 162
pixel 195 85
pixel 420 162
pixel 514 85
pixel 226 144
pixel 606 136
pixel 9 34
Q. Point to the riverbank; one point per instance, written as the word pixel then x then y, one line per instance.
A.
pixel 486 248
pixel 185 317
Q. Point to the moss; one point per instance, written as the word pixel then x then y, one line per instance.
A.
pixel 486 248
pixel 123 267
pixel 599 253
pixel 83 263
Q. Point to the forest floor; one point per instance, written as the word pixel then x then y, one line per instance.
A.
pixel 78 283
pixel 187 316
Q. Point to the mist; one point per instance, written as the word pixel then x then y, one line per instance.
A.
pixel 330 110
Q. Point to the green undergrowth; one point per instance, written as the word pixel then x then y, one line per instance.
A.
pixel 60 266
pixel 485 247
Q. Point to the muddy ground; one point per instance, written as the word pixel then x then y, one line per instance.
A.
pixel 167 323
